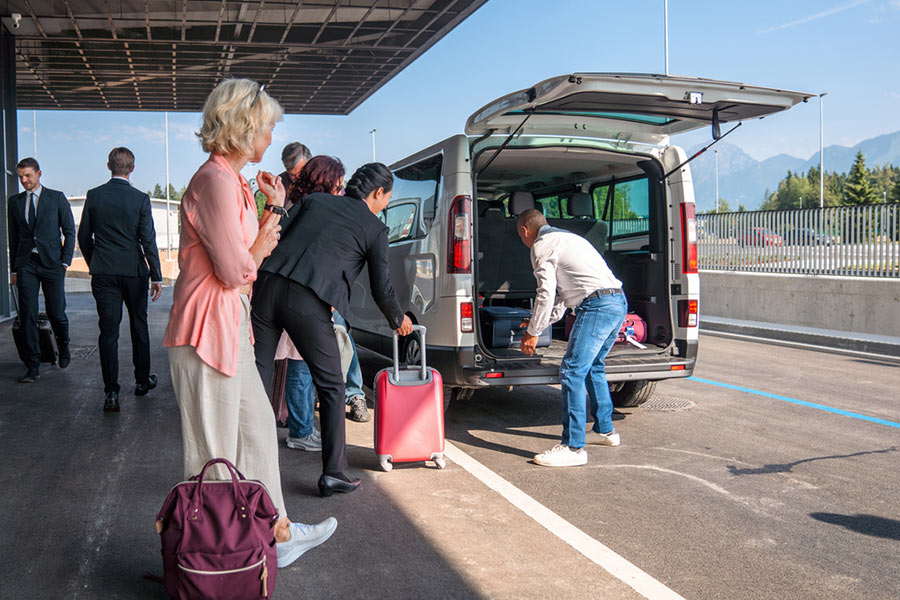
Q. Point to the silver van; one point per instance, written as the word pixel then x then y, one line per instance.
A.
pixel 592 152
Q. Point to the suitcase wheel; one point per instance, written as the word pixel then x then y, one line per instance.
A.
pixel 385 464
pixel 440 462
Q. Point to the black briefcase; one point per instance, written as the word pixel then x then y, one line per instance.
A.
pixel 45 334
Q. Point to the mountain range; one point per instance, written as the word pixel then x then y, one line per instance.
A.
pixel 744 180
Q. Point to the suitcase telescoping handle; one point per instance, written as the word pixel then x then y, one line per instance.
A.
pixel 421 330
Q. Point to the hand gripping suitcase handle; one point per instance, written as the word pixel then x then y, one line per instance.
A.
pixel 421 330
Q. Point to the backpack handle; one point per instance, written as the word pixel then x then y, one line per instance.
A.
pixel 197 499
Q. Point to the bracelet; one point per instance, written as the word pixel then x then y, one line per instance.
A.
pixel 278 210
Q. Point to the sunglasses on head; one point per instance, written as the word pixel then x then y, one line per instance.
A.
pixel 262 86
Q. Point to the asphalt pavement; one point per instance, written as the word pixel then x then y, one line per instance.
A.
pixel 771 474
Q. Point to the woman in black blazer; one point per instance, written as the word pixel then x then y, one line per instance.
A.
pixel 325 242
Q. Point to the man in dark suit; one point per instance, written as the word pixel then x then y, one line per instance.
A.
pixel 118 241
pixel 294 157
pixel 37 219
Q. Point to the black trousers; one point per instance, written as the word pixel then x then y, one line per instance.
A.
pixel 279 305
pixel 110 291
pixel 30 278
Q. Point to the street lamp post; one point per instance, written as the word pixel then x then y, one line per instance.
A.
pixel 821 153
pixel 373 145
pixel 168 217
pixel 717 180
pixel 666 19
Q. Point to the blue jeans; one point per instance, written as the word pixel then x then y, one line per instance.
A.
pixel 300 396
pixel 597 323
pixel 353 385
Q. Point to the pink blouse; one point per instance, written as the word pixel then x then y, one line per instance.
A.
pixel 218 225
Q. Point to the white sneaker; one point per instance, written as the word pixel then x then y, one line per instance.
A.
pixel 561 455
pixel 310 443
pixel 303 538
pixel 604 439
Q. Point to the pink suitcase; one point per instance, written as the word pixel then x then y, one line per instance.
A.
pixel 409 412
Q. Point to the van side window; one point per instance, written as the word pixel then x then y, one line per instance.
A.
pixel 420 183
pixel 549 205
pixel 401 221
pixel 628 210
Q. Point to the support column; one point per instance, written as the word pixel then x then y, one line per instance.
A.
pixel 9 153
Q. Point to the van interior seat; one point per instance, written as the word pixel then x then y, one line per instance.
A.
pixel 504 267
pixel 519 202
pixel 581 208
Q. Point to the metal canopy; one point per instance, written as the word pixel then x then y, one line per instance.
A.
pixel 315 57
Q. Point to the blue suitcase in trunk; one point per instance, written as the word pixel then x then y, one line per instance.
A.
pixel 500 327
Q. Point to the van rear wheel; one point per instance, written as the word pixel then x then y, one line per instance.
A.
pixel 632 393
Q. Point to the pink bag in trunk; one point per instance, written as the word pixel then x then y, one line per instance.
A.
pixel 217 538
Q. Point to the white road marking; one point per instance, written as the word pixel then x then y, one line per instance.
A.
pixel 641 582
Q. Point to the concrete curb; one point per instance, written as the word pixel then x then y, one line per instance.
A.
pixel 824 338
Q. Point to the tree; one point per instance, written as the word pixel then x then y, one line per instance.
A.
pixel 894 194
pixel 858 189
pixel 159 192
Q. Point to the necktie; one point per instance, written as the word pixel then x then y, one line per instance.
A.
pixel 31 208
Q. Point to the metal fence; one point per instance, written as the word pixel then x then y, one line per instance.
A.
pixel 861 241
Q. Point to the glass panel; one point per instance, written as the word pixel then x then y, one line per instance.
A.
pixel 418 182
pixel 549 205
pixel 631 208
pixel 636 118
pixel 400 221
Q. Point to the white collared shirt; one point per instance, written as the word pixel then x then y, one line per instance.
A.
pixel 568 269
pixel 37 196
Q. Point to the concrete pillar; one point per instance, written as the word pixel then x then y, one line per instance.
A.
pixel 9 152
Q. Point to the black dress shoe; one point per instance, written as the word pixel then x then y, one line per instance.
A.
pixel 141 389
pixel 329 485
pixel 112 402
pixel 30 376
pixel 64 357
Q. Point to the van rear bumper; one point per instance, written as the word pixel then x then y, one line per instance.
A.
pixel 458 368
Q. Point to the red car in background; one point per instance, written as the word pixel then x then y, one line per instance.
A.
pixel 760 236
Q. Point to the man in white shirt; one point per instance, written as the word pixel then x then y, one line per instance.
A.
pixel 570 273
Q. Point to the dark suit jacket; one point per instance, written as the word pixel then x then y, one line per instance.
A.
pixel 325 242
pixel 116 233
pixel 53 215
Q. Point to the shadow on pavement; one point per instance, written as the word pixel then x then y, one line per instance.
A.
pixel 788 467
pixel 865 524
pixel 82 490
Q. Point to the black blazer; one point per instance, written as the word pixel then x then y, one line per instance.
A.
pixel 116 234
pixel 53 215
pixel 325 241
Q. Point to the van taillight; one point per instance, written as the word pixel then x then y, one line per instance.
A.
pixel 459 250
pixel 688 238
pixel 466 321
pixel 688 313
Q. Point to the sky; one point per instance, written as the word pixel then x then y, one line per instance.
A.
pixel 847 48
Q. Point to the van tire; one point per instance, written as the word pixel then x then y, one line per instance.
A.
pixel 410 350
pixel 633 393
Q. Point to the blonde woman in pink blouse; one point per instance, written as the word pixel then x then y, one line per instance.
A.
pixel 225 412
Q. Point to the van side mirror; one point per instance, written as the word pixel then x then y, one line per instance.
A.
pixel 716 127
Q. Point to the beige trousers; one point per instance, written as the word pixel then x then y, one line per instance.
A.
pixel 227 417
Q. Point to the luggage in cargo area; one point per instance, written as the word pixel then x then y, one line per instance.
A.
pixel 500 327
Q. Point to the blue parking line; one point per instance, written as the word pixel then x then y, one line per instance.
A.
pixel 831 409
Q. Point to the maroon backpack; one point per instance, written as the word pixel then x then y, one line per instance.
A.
pixel 217 537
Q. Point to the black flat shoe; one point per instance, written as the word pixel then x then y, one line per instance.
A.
pixel 64 357
pixel 329 485
pixel 141 389
pixel 111 404
pixel 30 376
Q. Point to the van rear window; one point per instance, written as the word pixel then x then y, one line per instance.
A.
pixel 627 211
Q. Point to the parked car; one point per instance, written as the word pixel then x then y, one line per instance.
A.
pixel 806 235
pixel 760 236
pixel 592 152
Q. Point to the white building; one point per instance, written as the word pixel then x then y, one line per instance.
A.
pixel 166 237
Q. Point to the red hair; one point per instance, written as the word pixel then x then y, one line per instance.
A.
pixel 320 174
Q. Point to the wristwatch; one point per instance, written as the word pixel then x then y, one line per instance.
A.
pixel 278 210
